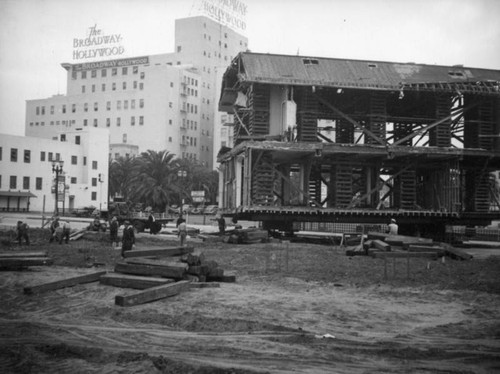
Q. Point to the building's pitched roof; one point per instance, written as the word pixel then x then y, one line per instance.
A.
pixel 318 71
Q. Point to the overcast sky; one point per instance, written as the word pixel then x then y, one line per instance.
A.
pixel 36 36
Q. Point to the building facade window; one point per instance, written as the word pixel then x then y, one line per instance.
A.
pixel 74 160
pixel 77 139
pixel 26 183
pixel 13 182
pixel 141 103
pixel 27 156
pixel 13 154
pixel 42 156
pixel 104 72
pixel 93 196
pixel 38 183
pixel 141 120
pixel 94 165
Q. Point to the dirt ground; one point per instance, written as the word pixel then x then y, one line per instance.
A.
pixel 296 308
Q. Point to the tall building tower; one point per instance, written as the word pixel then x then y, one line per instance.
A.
pixel 158 102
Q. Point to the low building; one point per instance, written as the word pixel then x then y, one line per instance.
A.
pixel 29 167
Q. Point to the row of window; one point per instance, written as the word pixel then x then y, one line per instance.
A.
pixel 118 121
pixel 40 110
pixel 39 184
pixel 46 156
pixel 135 85
pixel 104 72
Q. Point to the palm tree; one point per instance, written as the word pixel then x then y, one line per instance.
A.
pixel 121 172
pixel 154 176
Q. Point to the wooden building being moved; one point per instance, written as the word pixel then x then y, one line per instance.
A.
pixel 336 140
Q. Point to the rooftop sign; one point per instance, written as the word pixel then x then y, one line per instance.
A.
pixel 112 63
pixel 97 44
pixel 231 13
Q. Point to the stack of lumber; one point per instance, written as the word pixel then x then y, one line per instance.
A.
pixel 12 260
pixel 249 236
pixel 380 245
pixel 163 272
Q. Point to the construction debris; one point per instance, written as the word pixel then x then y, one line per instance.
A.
pixel 380 245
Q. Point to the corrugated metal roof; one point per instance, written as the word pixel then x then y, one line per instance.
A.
pixel 301 70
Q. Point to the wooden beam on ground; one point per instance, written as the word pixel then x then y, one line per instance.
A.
pixel 457 253
pixel 174 272
pixel 150 252
pixel 432 255
pixel 18 254
pixel 204 285
pixel 63 283
pixel 152 294
pixel 17 262
pixel 379 244
pixel 425 248
pixel 133 281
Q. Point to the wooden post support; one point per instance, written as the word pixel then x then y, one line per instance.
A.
pixel 87 278
pixel 152 294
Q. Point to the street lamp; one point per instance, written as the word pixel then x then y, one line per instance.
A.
pixel 57 169
pixel 181 174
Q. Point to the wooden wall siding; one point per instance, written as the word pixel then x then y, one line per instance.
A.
pixel 263 181
pixel 307 116
pixel 485 114
pixel 440 136
pixel 259 101
pixel 477 191
pixel 405 190
pixel 344 132
pixel 377 117
pixel 314 186
pixel 402 130
pixel 444 188
pixel 341 185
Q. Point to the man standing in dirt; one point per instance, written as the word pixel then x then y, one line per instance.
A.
pixel 53 227
pixel 22 232
pixel 113 231
pixel 66 230
pixel 182 233
pixel 128 238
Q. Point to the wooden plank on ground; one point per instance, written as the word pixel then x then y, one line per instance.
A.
pixel 204 285
pixel 381 245
pixel 63 283
pixel 426 248
pixel 133 281
pixel 149 252
pixel 152 294
pixel 432 255
pixel 25 261
pixel 406 240
pixel 147 269
pixel 457 253
pixel 17 254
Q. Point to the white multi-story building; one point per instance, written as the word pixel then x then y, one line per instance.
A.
pixel 158 102
pixel 28 176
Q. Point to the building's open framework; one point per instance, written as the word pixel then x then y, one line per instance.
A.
pixel 335 140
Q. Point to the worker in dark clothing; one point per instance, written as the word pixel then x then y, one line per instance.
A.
pixel 222 225
pixel 66 230
pixel 128 238
pixel 113 231
pixel 53 227
pixel 180 220
pixel 22 232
